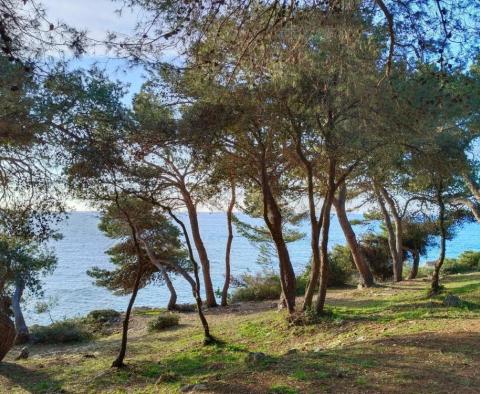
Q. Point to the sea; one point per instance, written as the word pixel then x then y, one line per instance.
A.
pixel 70 292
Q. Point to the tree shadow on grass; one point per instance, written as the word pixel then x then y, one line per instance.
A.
pixel 31 380
pixel 461 277
pixel 465 289
pixel 407 363
pixel 423 362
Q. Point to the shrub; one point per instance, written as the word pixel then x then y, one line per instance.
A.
pixel 266 285
pixel 259 287
pixel 162 321
pixel 66 331
pixel 468 261
pixel 103 316
pixel 376 251
pixel 341 266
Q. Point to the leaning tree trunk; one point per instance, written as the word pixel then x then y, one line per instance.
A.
pixel 398 264
pixel 228 250
pixel 202 252
pixel 475 190
pixel 119 361
pixel 315 228
pixel 273 219
pixel 324 269
pixel 23 335
pixel 357 254
pixel 195 284
pixel 172 302
pixel 415 264
pixel 390 232
pixel 443 243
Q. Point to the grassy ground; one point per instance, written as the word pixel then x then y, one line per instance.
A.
pixel 385 339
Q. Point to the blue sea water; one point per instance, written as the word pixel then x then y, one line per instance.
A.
pixel 83 246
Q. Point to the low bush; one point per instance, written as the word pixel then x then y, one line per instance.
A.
pixel 468 261
pixel 164 320
pixel 66 331
pixel 103 316
pixel 266 285
pixel 259 287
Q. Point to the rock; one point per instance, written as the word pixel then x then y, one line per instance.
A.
pixel 24 353
pixel 194 388
pixel 255 357
pixel 452 300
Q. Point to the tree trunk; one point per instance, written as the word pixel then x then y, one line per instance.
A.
pixel 195 284
pixel 472 185
pixel 172 302
pixel 398 264
pixel 357 254
pixel 474 207
pixel 415 264
pixel 443 242
pixel 315 227
pixel 119 361
pixel 390 232
pixel 7 334
pixel 202 252
pixel 324 269
pixel 273 219
pixel 226 284
pixel 23 336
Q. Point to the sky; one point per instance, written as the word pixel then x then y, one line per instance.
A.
pixel 98 18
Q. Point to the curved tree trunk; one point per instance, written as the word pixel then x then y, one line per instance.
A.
pixel 202 252
pixel 443 243
pixel 226 284
pixel 474 207
pixel 119 361
pixel 398 264
pixel 273 219
pixel 172 302
pixel 390 232
pixel 23 335
pixel 315 228
pixel 195 284
pixel 324 269
pixel 415 264
pixel 357 254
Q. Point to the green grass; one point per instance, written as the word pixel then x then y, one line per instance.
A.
pixel 383 339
